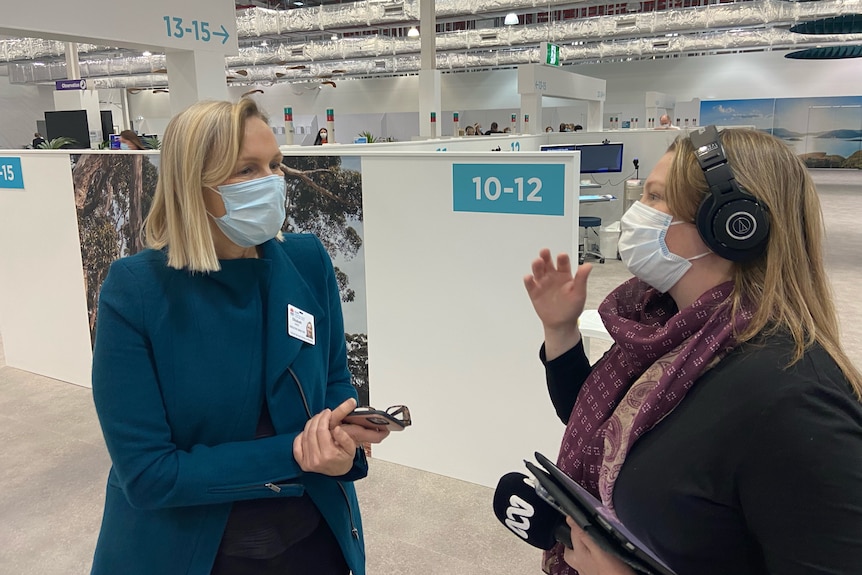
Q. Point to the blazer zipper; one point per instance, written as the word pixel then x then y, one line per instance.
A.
pixel 353 530
pixel 277 489
pixel 271 486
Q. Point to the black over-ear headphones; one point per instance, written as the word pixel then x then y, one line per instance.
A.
pixel 730 220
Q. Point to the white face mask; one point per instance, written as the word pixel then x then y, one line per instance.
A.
pixel 254 210
pixel 644 251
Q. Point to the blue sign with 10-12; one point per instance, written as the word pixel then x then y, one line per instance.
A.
pixel 536 189
pixel 10 173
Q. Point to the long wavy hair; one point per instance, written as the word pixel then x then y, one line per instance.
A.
pixel 787 287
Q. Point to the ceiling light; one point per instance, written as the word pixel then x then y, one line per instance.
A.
pixel 146 53
pixel 511 19
pixel 413 32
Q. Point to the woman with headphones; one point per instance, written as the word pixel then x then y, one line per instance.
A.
pixel 724 426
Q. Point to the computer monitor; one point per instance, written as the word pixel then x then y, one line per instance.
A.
pixel 595 158
pixel 598 158
pixel 558 148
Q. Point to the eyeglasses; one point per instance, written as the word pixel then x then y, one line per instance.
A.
pixel 400 410
pixel 394 418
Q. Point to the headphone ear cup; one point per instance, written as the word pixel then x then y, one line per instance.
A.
pixel 736 228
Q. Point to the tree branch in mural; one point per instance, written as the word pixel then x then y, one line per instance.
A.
pixel 323 199
pixel 113 194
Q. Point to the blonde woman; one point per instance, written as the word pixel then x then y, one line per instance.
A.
pixel 724 426
pixel 222 416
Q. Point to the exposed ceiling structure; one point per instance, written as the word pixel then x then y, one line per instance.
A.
pixel 314 43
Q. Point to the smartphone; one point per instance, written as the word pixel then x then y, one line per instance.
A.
pixel 376 419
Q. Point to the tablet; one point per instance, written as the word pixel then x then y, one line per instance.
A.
pixel 591 516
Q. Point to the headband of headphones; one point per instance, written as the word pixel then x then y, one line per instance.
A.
pixel 713 162
pixel 730 220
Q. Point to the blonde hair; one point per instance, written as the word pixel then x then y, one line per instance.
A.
pixel 200 149
pixel 786 288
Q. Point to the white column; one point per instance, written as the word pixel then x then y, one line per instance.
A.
pixel 73 67
pixel 429 76
pixel 531 105
pixel 288 126
pixel 195 76
pixel 429 101
pixel 595 110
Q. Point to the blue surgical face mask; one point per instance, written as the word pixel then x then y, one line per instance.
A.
pixel 124 146
pixel 254 210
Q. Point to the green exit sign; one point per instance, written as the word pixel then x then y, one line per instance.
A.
pixel 552 53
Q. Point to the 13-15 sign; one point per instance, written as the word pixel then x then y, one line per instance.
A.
pixel 10 173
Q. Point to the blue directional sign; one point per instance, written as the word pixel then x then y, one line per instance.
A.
pixel 538 189
pixel 10 173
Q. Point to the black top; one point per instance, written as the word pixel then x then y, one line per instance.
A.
pixel 757 471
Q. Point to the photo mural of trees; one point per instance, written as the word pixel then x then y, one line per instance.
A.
pixel 113 193
pixel 324 198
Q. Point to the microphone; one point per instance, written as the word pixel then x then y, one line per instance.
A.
pixel 524 513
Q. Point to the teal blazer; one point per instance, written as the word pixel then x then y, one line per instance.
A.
pixel 181 365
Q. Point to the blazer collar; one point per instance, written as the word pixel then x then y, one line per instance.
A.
pixel 287 286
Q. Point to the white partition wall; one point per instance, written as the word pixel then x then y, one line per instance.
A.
pixel 451 331
pixel 43 310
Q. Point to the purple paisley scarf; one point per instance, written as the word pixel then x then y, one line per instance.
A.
pixel 657 356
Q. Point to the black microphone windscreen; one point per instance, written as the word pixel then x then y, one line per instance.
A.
pixel 524 513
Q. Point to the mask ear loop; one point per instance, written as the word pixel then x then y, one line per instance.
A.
pixel 697 257
pixel 703 255
pixel 219 195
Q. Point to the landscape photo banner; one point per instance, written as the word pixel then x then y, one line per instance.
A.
pixel 825 132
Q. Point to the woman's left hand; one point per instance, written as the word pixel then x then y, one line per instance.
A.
pixel 588 558
pixel 363 434
pixel 324 446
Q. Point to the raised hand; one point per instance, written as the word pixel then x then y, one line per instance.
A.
pixel 558 296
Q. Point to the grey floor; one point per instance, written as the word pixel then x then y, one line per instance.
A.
pixel 53 462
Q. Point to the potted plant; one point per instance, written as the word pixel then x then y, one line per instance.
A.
pixel 58 143
pixel 152 142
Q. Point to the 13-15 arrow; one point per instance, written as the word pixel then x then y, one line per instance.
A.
pixel 223 34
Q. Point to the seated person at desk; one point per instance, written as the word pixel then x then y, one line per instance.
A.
pixel 129 140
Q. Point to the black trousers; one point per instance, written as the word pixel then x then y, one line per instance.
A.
pixel 318 553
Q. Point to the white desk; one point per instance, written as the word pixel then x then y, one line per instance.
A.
pixel 591 327
pixel 590 199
